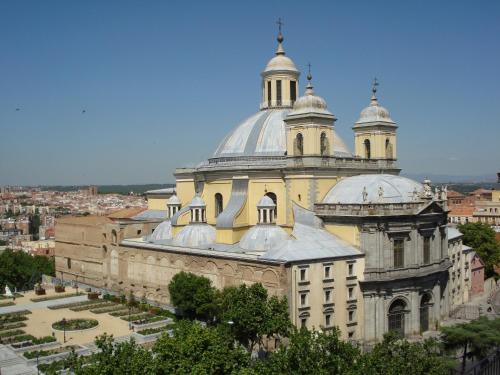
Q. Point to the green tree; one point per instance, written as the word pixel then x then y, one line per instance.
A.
pixel 194 296
pixel 481 237
pixel 251 315
pixel 20 270
pixel 126 358
pixel 474 339
pixel 395 356
pixel 193 349
pixel 313 352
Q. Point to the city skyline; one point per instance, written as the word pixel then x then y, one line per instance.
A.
pixel 117 93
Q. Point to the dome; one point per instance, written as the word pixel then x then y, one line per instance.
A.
pixel 374 188
pixel 263 237
pixel 310 103
pixel 280 63
pixel 263 134
pixel 197 202
pixel 195 235
pixel 173 200
pixel 266 202
pixel 374 113
pixel 162 232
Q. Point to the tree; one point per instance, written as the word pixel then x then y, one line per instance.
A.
pixel 481 237
pixel 313 352
pixel 252 315
pixel 474 339
pixel 20 270
pixel 116 359
pixel 193 349
pixel 395 356
pixel 193 295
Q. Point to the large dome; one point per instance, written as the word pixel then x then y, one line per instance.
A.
pixel 374 188
pixel 263 134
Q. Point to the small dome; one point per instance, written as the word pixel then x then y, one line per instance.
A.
pixel 197 202
pixel 280 63
pixel 374 113
pixel 310 103
pixel 162 232
pixel 374 188
pixel 266 202
pixel 195 235
pixel 173 200
pixel 263 237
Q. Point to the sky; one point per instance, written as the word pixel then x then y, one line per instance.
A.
pixel 122 92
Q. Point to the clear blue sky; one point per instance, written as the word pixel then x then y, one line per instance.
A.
pixel 162 82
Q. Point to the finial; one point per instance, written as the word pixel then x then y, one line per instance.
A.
pixel 309 87
pixel 280 36
pixel 309 76
pixel 374 101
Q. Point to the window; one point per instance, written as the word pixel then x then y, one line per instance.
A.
pixel 388 149
pixel 367 149
pixel 350 269
pixel 396 317
pixel 278 92
pixel 351 315
pixel 323 144
pixel 351 292
pixel 140 231
pixel 269 100
pixel 299 145
pixel 427 250
pixel 293 91
pixel 399 247
pixel 350 334
pixel 328 296
pixel 218 204
pixel 303 299
pixel 303 274
pixel 327 272
pixel 113 236
pixel 328 320
pixel 68 262
pixel 303 322
pixel 275 201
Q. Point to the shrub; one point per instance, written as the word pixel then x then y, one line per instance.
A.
pixel 15 332
pixel 75 324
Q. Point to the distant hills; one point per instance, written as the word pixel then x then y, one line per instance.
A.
pixel 443 178
pixel 110 189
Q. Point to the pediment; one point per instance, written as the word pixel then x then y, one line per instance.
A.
pixel 431 208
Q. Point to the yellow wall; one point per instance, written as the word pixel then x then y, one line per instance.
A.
pixel 257 189
pixel 285 88
pixel 157 203
pixel 348 233
pixel 495 196
pixel 311 136
pixel 323 186
pixel 209 190
pixel 377 143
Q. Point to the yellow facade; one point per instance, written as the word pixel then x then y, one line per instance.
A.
pixel 311 136
pixel 157 203
pixel 348 233
pixel 212 188
pixel 378 141
pixel 495 196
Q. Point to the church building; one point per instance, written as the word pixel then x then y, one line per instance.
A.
pixel 284 202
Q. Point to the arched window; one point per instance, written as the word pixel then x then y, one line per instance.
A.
pixel 114 237
pixel 299 145
pixel 425 304
pixel 218 204
pixel 275 201
pixel 104 250
pixel 388 149
pixel 396 317
pixel 368 153
pixel 323 144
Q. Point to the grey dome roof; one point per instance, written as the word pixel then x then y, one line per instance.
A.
pixel 280 63
pixel 162 232
pixel 195 235
pixel 173 200
pixel 263 237
pixel 263 134
pixel 197 201
pixel 310 103
pixel 395 189
pixel 266 201
pixel 374 113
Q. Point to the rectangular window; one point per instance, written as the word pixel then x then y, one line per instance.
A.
pixel 328 296
pixel 293 91
pixel 269 96
pixel 68 262
pixel 328 320
pixel 278 92
pixel 303 322
pixel 303 275
pixel 351 292
pixel 327 272
pixel 351 315
pixel 399 251
pixel 351 269
pixel 303 299
pixel 351 334
pixel 427 250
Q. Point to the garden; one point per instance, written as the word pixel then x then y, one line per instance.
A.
pixel 75 324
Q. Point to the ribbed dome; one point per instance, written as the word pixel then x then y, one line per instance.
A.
pixel 266 202
pixel 263 237
pixel 310 103
pixel 197 201
pixel 195 235
pixel 374 113
pixel 162 232
pixel 374 188
pixel 173 200
pixel 280 63
pixel 263 134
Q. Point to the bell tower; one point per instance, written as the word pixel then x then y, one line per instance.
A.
pixel 280 79
pixel 375 132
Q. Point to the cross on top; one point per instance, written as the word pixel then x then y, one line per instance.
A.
pixel 280 23
pixel 374 85
pixel 309 76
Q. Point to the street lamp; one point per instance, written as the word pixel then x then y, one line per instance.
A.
pixel 64 329
pixel 37 356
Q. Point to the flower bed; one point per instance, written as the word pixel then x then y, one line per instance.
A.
pixel 5 304
pixel 75 324
pixel 34 341
pixel 135 317
pixel 150 331
pixel 107 309
pixel 90 306
pixel 6 326
pixel 50 298
pixel 149 319
pixel 45 353
pixel 14 339
pixel 14 317
pixel 124 312
pixel 75 304
pixel 14 332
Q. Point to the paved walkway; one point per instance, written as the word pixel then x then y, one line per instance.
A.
pixel 12 364
pixel 41 305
